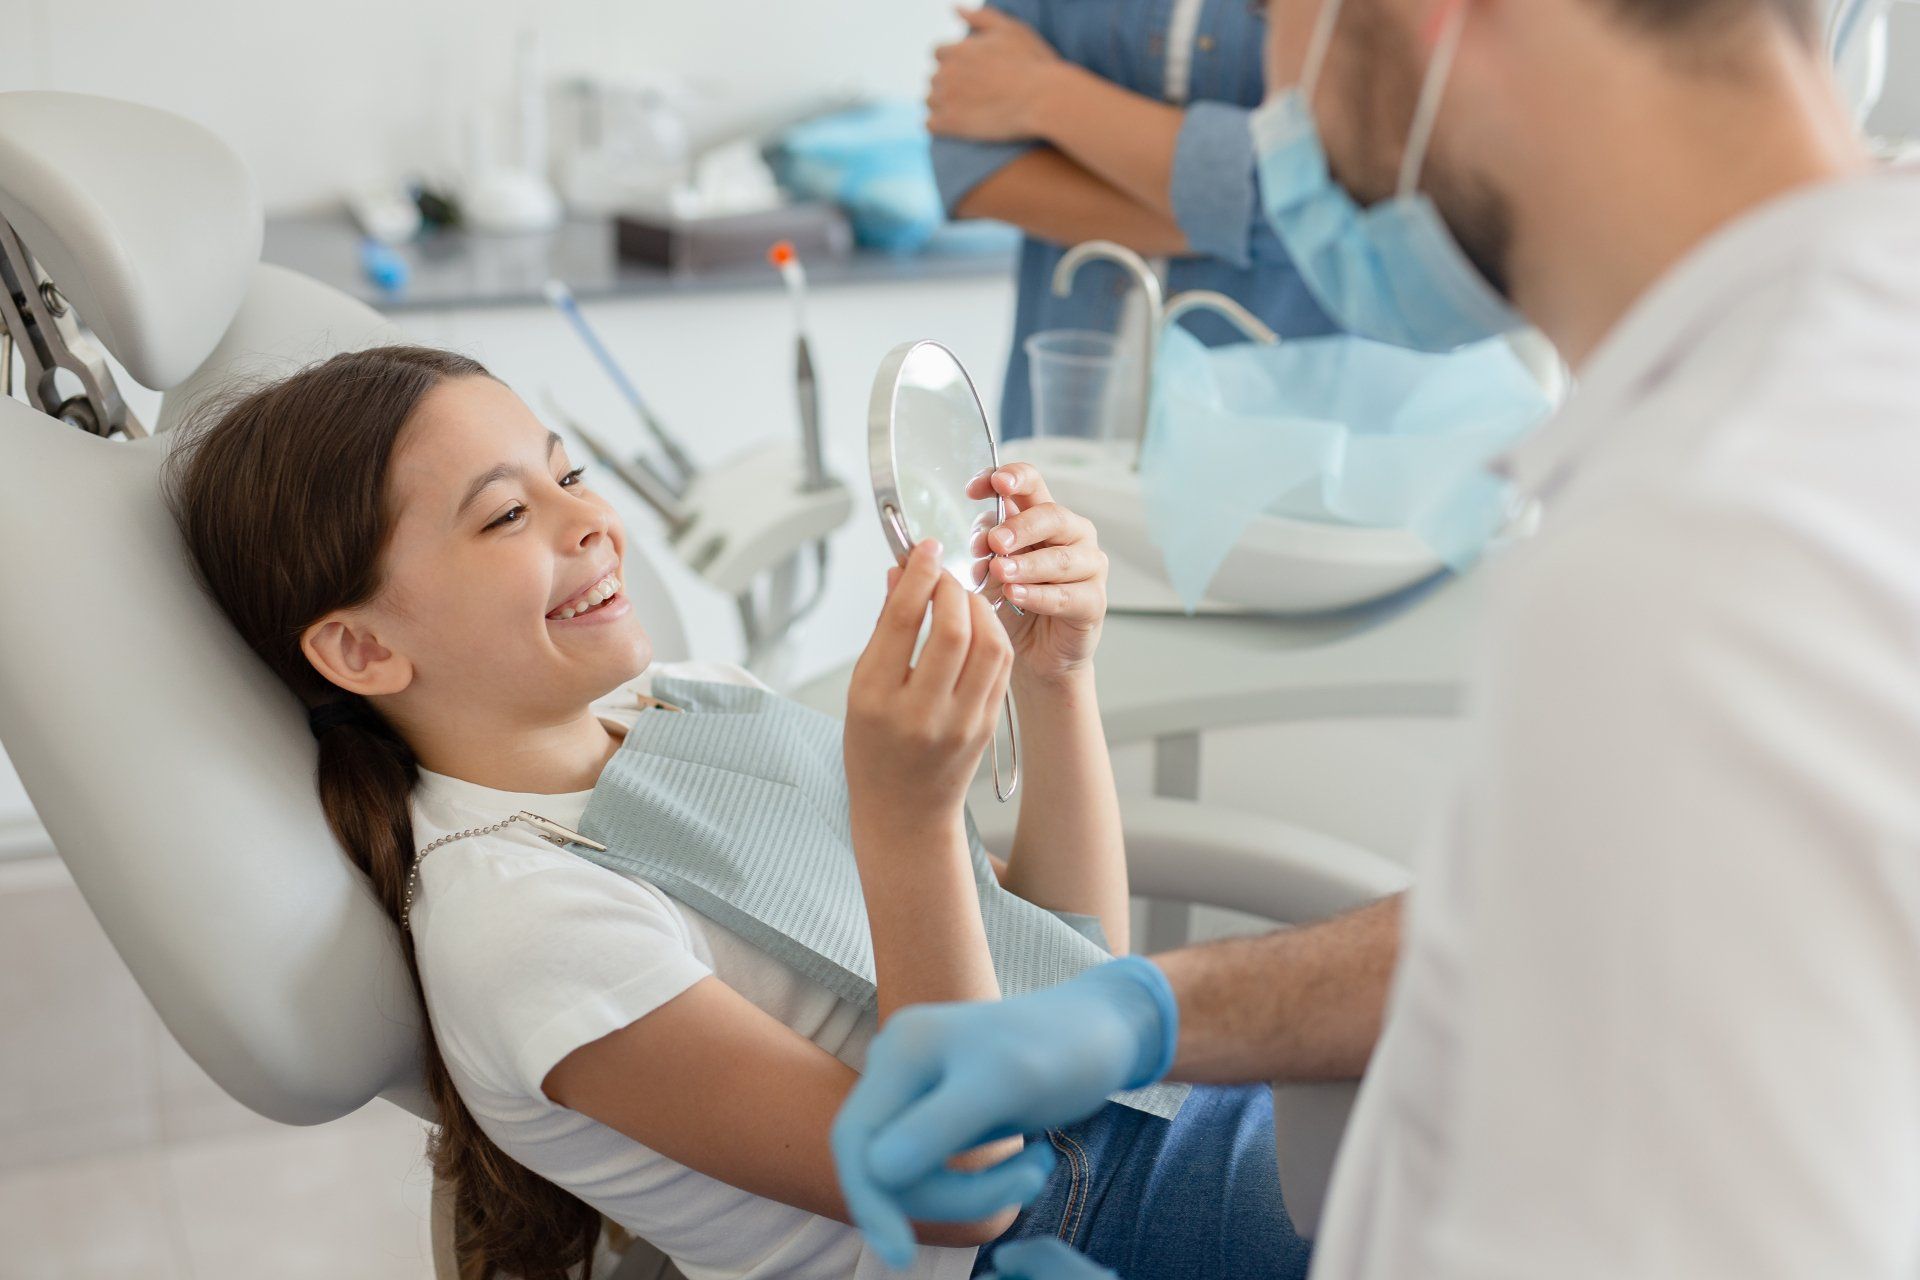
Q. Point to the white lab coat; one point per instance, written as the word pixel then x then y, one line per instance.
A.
pixel 1658 1014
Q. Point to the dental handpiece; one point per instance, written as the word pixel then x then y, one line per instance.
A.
pixel 806 386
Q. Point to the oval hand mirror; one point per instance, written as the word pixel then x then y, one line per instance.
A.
pixel 930 448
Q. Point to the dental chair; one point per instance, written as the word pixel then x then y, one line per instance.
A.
pixel 172 770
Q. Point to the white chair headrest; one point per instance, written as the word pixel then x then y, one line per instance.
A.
pixel 175 772
pixel 176 776
pixel 147 223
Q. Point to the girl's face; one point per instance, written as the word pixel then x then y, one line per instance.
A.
pixel 495 535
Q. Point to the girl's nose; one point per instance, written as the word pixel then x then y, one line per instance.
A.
pixel 594 520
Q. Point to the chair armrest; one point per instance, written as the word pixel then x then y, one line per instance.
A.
pixel 1183 851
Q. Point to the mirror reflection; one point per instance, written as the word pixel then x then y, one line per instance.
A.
pixel 942 456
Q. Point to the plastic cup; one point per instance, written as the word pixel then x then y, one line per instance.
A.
pixel 1077 377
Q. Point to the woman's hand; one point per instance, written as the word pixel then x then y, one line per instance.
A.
pixel 915 730
pixel 985 85
pixel 1048 561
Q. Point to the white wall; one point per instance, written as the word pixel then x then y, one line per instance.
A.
pixel 320 95
pixel 1898 115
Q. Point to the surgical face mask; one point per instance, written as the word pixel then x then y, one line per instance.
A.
pixel 1393 273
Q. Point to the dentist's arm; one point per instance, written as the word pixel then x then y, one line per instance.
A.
pixel 1303 1004
pixel 1299 1005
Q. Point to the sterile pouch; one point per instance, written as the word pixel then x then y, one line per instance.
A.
pixel 1333 429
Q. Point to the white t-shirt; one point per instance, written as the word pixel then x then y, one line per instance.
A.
pixel 528 951
pixel 1658 1011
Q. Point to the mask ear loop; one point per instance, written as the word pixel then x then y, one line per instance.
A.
pixel 1432 93
pixel 1319 47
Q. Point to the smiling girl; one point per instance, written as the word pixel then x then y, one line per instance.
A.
pixel 417 557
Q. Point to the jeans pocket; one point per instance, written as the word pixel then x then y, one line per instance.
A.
pixel 1073 1210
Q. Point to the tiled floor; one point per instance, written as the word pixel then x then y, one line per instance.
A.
pixel 121 1159
pixel 347 1199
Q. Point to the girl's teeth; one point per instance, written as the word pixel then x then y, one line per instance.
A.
pixel 596 596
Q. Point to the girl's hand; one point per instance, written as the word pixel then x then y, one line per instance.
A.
pixel 985 85
pixel 916 730
pixel 1048 561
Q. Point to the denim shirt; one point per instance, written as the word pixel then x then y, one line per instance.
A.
pixel 1215 201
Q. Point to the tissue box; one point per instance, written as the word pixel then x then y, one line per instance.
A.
pixel 817 229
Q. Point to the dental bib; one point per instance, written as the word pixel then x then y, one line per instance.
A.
pixel 736 805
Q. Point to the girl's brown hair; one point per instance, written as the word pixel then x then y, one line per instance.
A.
pixel 281 495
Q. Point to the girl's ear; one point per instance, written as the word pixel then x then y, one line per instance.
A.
pixel 343 648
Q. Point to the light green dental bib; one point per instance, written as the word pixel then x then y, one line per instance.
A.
pixel 737 806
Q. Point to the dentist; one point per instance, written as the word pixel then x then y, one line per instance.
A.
pixel 1654 1008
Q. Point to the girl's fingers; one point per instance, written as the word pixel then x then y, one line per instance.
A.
pixel 1049 522
pixel 989 662
pixel 1071 562
pixel 1021 484
pixel 1080 601
pixel 911 590
pixel 943 656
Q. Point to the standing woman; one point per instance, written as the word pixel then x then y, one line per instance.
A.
pixel 1121 120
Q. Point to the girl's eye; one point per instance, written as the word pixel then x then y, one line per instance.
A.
pixel 566 482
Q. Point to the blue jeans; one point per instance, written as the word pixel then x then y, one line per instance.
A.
pixel 1194 1198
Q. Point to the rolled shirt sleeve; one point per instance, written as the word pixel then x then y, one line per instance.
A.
pixel 959 166
pixel 1213 182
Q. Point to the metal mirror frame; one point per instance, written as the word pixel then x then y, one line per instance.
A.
pixel 884 466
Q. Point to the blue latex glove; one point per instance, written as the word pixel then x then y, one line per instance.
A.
pixel 1044 1258
pixel 943 1079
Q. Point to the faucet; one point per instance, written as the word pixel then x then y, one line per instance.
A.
pixel 1147 281
pixel 1160 314
pixel 1209 300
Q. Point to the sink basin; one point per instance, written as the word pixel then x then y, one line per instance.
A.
pixel 1280 565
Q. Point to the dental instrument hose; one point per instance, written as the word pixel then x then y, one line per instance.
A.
pixel 562 299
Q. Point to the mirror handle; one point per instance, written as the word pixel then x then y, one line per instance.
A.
pixel 902 544
pixel 1006 793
